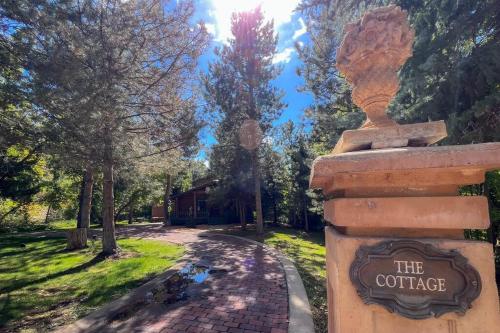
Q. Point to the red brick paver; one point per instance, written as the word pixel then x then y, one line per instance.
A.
pixel 249 295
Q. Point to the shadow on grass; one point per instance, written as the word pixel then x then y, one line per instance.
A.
pixel 42 285
pixel 34 252
pixel 41 313
pixel 22 284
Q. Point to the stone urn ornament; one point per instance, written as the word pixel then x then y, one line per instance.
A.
pixel 372 52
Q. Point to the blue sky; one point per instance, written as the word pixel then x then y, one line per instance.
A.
pixel 288 24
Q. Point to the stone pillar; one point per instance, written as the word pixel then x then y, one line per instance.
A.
pixel 396 259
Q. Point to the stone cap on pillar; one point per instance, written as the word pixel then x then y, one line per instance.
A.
pixel 405 167
pixel 409 135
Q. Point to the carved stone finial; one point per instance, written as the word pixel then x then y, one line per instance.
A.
pixel 373 50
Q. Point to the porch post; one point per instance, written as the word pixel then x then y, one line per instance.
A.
pixel 176 207
pixel 194 206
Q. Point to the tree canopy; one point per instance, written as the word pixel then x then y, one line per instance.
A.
pixel 100 101
pixel 111 80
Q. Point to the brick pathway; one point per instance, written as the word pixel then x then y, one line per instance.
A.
pixel 249 295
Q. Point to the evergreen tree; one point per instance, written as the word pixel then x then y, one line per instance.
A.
pixel 332 111
pixel 238 87
pixel 302 203
pixel 274 183
pixel 20 179
pixel 112 78
pixel 20 138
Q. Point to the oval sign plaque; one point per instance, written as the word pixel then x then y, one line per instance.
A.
pixel 414 279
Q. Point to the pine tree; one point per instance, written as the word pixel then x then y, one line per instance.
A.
pixel 301 203
pixel 273 165
pixel 20 139
pixel 112 78
pixel 238 87
pixel 332 111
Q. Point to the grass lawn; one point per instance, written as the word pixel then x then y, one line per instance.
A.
pixel 43 285
pixel 59 225
pixel 66 224
pixel 307 250
pixel 71 224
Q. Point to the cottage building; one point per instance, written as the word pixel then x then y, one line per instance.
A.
pixel 194 207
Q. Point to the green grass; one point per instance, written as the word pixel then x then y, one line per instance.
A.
pixel 42 284
pixel 71 224
pixel 66 224
pixel 57 225
pixel 307 250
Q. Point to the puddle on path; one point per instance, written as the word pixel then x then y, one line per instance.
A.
pixel 184 284
pixel 174 289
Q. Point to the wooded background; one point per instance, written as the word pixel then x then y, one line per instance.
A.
pixel 101 103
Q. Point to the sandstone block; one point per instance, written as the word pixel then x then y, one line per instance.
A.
pixel 409 212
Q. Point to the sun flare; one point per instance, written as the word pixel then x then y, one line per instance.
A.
pixel 280 11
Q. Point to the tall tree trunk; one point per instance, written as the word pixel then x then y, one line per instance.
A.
pixel 80 202
pixel 255 154
pixel 77 238
pixel 166 200
pixel 241 214
pixel 47 214
pixel 83 220
pixel 131 212
pixel 258 202
pixel 109 246
pixel 275 211
pixel 306 218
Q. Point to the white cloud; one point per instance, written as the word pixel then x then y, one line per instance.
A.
pixel 301 31
pixel 284 56
pixel 278 10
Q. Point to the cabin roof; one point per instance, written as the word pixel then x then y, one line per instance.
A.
pixel 200 186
